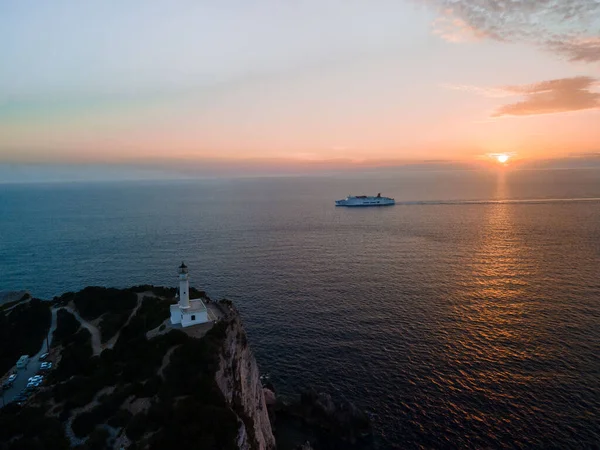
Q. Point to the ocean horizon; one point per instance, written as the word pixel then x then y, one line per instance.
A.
pixel 467 315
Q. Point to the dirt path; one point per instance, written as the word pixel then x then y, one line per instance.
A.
pixel 10 308
pixel 140 297
pixel 96 341
pixel 73 439
pixel 166 360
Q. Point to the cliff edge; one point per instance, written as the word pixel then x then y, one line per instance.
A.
pixel 238 379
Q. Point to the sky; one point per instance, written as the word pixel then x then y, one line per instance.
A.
pixel 244 86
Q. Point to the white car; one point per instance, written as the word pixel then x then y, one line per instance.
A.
pixel 43 356
pixel 12 378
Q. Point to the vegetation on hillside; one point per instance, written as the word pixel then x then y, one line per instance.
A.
pixel 30 428
pixel 152 313
pixel 111 323
pixel 23 330
pixel 197 293
pixel 66 326
pixel 186 407
pixel 159 291
pixel 93 301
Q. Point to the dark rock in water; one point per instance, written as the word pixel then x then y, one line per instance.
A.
pixel 270 386
pixel 343 417
pixel 317 420
pixel 270 399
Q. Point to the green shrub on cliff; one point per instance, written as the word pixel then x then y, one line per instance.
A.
pixel 94 301
pixel 29 428
pixel 66 327
pixel 76 357
pixel 196 293
pixel 97 440
pixel 190 422
pixel 153 312
pixel 76 392
pixel 111 323
pixel 161 291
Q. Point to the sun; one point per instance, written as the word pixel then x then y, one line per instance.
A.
pixel 502 157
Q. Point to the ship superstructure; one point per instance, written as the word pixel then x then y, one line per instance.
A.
pixel 365 200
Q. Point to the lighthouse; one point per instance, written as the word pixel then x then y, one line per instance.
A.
pixel 187 312
pixel 184 286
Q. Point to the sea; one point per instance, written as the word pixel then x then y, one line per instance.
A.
pixel 467 315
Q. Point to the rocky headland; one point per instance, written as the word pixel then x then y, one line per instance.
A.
pixel 124 378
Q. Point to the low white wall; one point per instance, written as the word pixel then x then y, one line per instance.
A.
pixel 200 317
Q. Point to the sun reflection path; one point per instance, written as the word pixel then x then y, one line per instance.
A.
pixel 493 332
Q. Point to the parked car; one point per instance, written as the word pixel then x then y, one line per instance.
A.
pixel 46 366
pixel 22 362
pixel 12 378
pixel 36 381
pixel 43 356
pixel 32 385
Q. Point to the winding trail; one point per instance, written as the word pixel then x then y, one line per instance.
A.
pixel 165 362
pixel 140 297
pixel 96 341
pixel 97 345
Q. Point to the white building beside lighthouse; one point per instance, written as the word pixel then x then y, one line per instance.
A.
pixel 187 312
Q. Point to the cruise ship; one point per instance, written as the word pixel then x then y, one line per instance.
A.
pixel 365 200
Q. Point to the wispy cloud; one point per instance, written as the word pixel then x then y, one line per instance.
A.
pixel 585 49
pixel 455 29
pixel 569 28
pixel 493 92
pixel 545 97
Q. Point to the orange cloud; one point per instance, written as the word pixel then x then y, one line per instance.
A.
pixel 545 97
pixel 553 96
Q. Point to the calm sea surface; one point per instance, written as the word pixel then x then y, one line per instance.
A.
pixel 466 315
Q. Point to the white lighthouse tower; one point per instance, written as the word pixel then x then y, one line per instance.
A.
pixel 184 286
pixel 187 312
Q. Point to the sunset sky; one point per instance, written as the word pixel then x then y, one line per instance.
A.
pixel 297 83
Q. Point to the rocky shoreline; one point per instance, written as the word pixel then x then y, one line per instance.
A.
pixel 314 420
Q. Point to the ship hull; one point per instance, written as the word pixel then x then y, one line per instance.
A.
pixel 366 206
pixel 364 203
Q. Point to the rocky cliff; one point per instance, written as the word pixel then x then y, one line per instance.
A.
pixel 147 386
pixel 239 380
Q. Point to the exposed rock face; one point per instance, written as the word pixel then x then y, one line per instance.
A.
pixel 238 379
pixel 12 296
